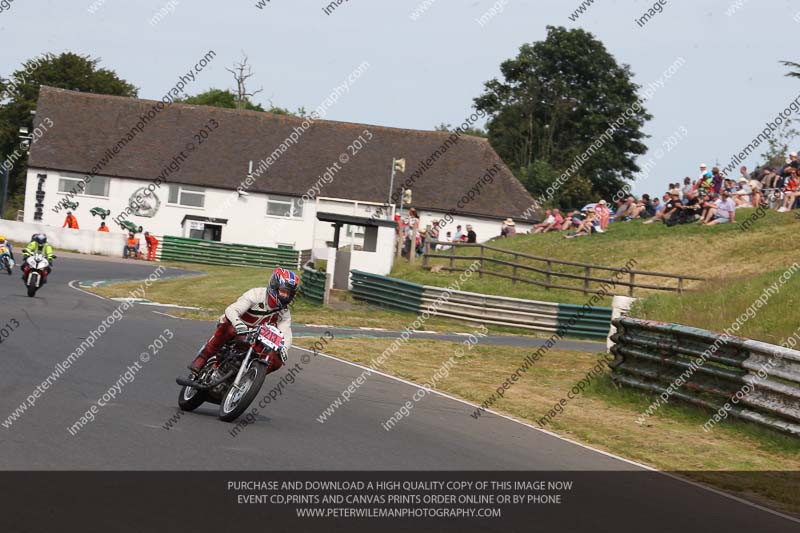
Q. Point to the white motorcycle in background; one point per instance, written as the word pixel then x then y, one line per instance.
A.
pixel 6 263
pixel 35 268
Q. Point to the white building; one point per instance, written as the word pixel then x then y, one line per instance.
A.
pixel 248 177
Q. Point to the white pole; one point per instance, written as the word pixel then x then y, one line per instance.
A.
pixel 391 183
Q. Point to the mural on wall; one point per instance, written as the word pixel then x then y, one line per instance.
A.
pixel 144 203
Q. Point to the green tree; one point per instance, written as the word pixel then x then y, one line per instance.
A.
pixel 227 99
pixel 475 132
pixel 557 98
pixel 20 91
pixel 219 98
pixel 778 145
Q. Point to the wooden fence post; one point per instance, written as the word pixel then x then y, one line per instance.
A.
pixel 586 280
pixel 452 254
pixel 480 272
pixel 426 252
pixel 514 272
pixel 633 280
pixel 680 285
pixel 547 278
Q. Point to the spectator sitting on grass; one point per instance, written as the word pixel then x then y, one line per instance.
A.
pixel 690 208
pixel 687 186
pixel 770 179
pixel 472 237
pixel 790 190
pixel 709 203
pixel 591 224
pixel 621 212
pixel 508 229
pixel 742 196
pixel 671 208
pixel 558 222
pixel 659 210
pixel 649 208
pixel 726 211
pixel 603 214
pixel 757 196
pixel 729 186
pixel 716 180
pixel 570 220
pixel 548 222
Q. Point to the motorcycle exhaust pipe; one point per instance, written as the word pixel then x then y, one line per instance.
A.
pixel 186 382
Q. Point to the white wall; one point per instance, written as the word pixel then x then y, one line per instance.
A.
pixel 247 223
pixel 484 228
pixel 82 241
pixel 380 261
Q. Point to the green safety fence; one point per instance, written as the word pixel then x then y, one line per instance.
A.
pixel 312 285
pixel 217 253
pixel 386 291
pixel 574 320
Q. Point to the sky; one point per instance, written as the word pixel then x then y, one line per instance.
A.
pixel 427 70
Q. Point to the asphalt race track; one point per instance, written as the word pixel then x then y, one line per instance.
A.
pixel 128 433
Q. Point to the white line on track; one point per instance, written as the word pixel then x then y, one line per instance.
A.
pixel 585 446
pixel 71 284
pixel 169 315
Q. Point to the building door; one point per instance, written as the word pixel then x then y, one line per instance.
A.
pixel 205 231
pixel 341 271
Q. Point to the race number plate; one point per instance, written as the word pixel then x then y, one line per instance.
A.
pixel 270 336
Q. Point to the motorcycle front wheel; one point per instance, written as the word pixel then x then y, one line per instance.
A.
pixel 236 401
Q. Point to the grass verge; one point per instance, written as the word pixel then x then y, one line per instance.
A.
pixel 603 416
pixel 219 286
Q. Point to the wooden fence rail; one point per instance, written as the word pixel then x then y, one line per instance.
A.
pixel 548 274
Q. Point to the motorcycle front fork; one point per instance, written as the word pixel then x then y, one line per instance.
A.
pixel 243 368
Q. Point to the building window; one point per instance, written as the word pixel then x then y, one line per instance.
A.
pixel 187 196
pixel 284 206
pixel 97 187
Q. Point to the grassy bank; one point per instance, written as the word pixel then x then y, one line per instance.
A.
pixel 725 253
pixel 603 416
pixel 721 303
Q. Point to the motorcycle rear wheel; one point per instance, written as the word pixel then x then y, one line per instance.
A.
pixel 236 401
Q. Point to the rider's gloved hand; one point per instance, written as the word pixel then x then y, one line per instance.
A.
pixel 241 329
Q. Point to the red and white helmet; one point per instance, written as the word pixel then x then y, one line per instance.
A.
pixel 282 287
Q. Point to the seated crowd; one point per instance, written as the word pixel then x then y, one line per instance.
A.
pixel 709 200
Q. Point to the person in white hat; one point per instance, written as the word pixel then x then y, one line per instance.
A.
pixel 703 171
pixel 508 229
pixel 742 196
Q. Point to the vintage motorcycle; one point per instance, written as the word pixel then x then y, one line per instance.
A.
pixel 6 263
pixel 233 377
pixel 35 269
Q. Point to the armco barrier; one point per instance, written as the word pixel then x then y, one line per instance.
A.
pixel 216 253
pixel 710 370
pixel 314 285
pixel 386 291
pixel 592 322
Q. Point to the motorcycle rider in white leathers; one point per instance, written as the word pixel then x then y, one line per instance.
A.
pixel 257 306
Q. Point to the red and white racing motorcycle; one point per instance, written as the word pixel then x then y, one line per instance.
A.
pixel 233 377
pixel 34 272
